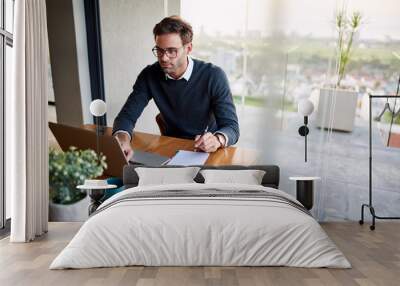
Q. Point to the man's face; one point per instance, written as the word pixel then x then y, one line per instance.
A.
pixel 172 43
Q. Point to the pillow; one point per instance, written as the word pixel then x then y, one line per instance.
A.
pixel 249 177
pixel 164 176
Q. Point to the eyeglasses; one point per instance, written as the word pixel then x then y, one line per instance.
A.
pixel 170 52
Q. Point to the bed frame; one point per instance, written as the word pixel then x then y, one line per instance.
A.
pixel 270 179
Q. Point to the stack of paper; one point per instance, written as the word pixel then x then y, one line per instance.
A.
pixel 188 158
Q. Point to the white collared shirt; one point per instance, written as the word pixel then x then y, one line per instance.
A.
pixel 188 72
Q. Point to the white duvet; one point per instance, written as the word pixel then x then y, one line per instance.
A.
pixel 200 231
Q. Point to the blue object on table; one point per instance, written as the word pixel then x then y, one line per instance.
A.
pixel 110 192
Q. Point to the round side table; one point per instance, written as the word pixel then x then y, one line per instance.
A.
pixel 305 190
pixel 96 193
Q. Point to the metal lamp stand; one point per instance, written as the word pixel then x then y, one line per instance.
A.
pixel 100 130
pixel 303 131
pixel 370 204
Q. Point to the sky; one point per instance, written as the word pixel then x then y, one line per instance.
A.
pixel 304 17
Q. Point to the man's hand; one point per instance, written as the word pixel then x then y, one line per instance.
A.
pixel 124 141
pixel 207 142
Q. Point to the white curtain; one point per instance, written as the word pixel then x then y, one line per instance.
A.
pixel 26 123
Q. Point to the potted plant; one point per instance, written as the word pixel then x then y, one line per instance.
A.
pixel 66 171
pixel 337 105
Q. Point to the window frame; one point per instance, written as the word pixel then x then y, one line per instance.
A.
pixel 6 39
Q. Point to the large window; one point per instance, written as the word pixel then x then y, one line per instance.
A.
pixel 6 43
pixel 278 52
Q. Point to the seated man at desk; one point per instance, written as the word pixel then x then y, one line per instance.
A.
pixel 193 96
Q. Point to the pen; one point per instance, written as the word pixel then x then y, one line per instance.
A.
pixel 204 132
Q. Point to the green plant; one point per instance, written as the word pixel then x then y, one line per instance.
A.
pixel 71 168
pixel 347 27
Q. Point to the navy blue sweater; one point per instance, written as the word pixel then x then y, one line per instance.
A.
pixel 187 107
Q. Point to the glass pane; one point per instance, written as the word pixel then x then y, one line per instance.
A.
pixel 1 15
pixel 245 46
pixel 8 81
pixel 1 138
pixel 9 17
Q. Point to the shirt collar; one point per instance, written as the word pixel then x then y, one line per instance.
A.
pixel 186 75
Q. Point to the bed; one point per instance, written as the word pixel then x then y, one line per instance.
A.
pixel 201 224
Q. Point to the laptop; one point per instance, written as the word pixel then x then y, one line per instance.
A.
pixel 82 139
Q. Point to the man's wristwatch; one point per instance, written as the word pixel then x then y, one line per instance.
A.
pixel 221 140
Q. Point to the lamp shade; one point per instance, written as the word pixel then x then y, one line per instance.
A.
pixel 305 107
pixel 98 107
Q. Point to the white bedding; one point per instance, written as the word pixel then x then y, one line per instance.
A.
pixel 200 231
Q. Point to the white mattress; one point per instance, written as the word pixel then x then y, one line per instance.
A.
pixel 200 231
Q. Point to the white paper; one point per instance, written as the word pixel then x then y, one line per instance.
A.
pixel 186 158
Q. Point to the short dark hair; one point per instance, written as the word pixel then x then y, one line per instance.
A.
pixel 174 24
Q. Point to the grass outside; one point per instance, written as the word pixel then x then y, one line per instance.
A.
pixel 260 101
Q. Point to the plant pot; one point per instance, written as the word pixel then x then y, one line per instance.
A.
pixel 73 212
pixel 337 104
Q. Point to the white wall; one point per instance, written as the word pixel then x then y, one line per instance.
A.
pixel 127 40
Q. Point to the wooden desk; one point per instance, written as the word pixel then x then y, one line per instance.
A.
pixel 167 146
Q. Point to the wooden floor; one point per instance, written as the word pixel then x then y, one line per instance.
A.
pixel 375 257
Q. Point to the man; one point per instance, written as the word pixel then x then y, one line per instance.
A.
pixel 193 97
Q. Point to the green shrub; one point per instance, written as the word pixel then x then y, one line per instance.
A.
pixel 70 169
